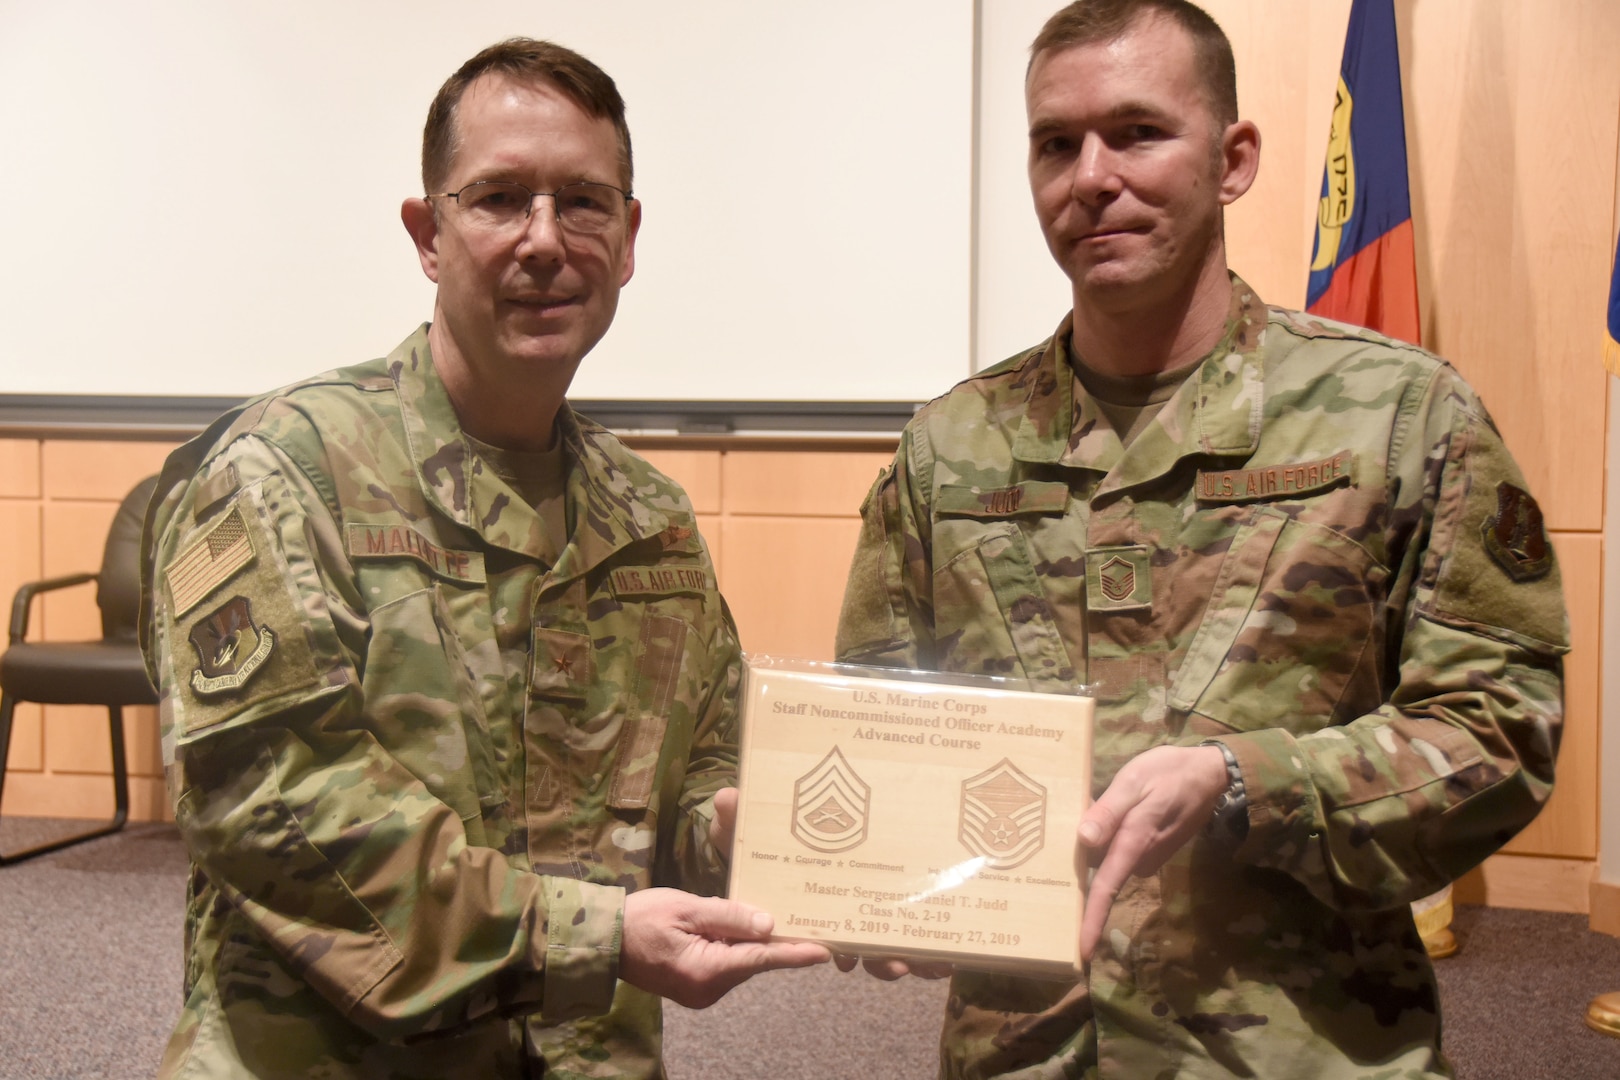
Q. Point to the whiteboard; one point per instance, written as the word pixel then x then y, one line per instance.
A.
pixel 172 230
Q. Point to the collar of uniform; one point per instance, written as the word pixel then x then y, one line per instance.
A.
pixel 606 510
pixel 1216 411
pixel 1048 412
pixel 453 479
pixel 1225 415
pixel 457 483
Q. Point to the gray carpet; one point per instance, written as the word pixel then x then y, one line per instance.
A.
pixel 90 984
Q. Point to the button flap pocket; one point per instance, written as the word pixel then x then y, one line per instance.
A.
pixel 658 667
pixel 1236 587
pixel 989 604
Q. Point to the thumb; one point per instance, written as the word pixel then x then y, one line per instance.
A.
pixel 1099 824
pixel 724 826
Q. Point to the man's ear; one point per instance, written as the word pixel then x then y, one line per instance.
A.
pixel 423 225
pixel 630 243
pixel 1240 160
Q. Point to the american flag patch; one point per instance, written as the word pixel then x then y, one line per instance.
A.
pixel 208 563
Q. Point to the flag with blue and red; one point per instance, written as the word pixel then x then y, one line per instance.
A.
pixel 1611 347
pixel 1363 267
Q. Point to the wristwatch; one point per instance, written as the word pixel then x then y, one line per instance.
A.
pixel 1230 822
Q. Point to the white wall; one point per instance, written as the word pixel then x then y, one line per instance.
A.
pixel 203 197
pixel 1021 294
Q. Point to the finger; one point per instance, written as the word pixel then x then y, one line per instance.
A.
pixel 722 968
pixel 1102 821
pixel 935 969
pixel 725 820
pixel 1103 890
pixel 794 954
pixel 727 920
pixel 742 961
pixel 887 968
pixel 845 962
pixel 1097 904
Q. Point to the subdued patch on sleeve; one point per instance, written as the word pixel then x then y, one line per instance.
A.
pixel 244 640
pixel 209 561
pixel 1497 571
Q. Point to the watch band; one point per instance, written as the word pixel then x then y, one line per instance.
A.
pixel 1231 817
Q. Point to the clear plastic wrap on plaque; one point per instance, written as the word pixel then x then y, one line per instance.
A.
pixel 885 812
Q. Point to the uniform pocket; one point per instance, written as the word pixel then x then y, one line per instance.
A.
pixel 422 705
pixel 467 635
pixel 1291 635
pixel 991 615
pixel 660 650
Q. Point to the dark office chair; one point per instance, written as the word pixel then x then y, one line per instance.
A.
pixel 107 672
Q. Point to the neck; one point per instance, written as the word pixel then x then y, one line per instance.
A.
pixel 1164 333
pixel 512 409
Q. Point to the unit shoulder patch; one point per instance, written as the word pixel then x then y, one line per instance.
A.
pixel 230 646
pixel 1516 535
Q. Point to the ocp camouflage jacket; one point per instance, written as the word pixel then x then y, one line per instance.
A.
pixel 415 766
pixel 1318 553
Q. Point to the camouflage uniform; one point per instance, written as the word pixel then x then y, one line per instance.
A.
pixel 1319 554
pixel 417 768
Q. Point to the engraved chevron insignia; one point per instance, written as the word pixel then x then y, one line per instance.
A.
pixel 830 806
pixel 1003 816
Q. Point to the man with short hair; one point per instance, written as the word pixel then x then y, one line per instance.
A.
pixel 447 685
pixel 1296 566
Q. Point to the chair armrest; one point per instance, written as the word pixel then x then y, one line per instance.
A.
pixel 26 594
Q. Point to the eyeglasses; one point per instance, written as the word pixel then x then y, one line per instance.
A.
pixel 497 206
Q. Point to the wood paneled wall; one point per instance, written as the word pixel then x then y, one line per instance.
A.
pixel 1513 133
pixel 781 521
pixel 57 500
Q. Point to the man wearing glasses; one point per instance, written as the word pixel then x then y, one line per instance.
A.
pixel 448 689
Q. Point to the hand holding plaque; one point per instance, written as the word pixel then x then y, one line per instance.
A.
pixel 892 813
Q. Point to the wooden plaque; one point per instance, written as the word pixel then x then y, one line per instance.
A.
pixel 888 813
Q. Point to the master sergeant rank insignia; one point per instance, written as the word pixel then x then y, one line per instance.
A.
pixel 1003 816
pixel 230 648
pixel 1117 578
